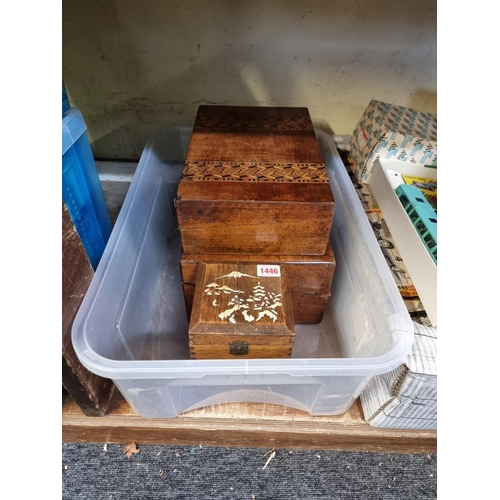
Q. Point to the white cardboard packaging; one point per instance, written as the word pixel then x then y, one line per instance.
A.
pixel 389 131
pixel 406 398
pixel 420 265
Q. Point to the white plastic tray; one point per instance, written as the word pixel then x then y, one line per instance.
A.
pixel 420 265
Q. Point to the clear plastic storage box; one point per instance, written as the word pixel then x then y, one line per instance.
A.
pixel 81 187
pixel 132 326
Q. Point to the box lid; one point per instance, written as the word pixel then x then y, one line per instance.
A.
pixel 262 153
pixel 386 130
pixel 241 300
pixel 381 117
pixel 280 135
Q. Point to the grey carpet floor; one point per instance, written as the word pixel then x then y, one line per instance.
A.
pixel 97 471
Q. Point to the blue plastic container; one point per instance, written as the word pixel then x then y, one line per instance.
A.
pixel 65 101
pixel 82 191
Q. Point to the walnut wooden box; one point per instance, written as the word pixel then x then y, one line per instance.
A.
pixel 309 279
pixel 254 182
pixel 239 314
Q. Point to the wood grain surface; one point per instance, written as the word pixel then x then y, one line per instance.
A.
pixel 306 274
pixel 265 228
pixel 243 425
pixel 254 182
pixel 253 134
pixel 233 304
pixel 222 351
pixel 91 392
pixel 309 279
pixel 307 309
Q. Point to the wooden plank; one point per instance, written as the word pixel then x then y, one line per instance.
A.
pixel 254 425
pixel 91 392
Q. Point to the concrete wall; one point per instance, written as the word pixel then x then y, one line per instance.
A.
pixel 133 67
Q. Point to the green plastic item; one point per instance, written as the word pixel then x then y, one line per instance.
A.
pixel 422 215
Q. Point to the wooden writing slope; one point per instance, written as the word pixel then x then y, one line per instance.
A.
pixel 254 182
pixel 309 279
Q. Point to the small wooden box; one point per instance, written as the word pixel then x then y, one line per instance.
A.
pixel 309 279
pixel 254 182
pixel 239 314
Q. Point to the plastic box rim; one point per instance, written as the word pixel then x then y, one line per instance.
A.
pixel 73 127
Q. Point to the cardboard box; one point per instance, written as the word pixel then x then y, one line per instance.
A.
pixel 388 131
pixel 406 398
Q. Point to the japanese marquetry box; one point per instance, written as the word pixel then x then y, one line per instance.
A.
pixel 254 182
pixel 309 279
pixel 241 311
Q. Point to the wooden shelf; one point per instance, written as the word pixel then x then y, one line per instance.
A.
pixel 255 425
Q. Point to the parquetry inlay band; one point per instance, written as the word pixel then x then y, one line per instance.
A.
pixel 249 123
pixel 254 172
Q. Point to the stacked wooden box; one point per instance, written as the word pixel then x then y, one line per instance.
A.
pixel 255 209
